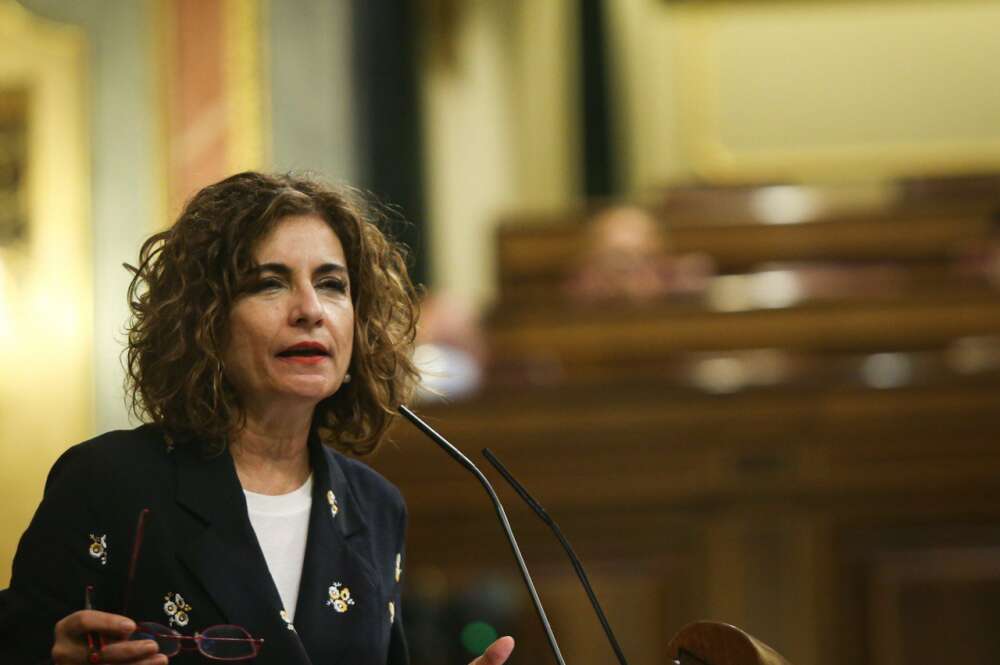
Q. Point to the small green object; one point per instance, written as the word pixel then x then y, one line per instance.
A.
pixel 476 636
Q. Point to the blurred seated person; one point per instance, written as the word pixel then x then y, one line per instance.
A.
pixel 979 259
pixel 450 348
pixel 626 257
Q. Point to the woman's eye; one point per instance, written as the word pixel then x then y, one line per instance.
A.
pixel 338 285
pixel 266 284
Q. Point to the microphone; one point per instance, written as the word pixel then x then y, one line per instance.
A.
pixel 457 455
pixel 577 565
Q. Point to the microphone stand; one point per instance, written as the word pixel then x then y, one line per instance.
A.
pixel 457 455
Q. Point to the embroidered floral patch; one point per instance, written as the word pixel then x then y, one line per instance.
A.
pixel 399 569
pixel 176 609
pixel 340 597
pixel 332 500
pixel 99 548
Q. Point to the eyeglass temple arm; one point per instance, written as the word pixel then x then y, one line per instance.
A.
pixel 136 547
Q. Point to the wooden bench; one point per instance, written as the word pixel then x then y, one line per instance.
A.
pixel 536 256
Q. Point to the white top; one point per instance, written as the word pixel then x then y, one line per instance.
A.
pixel 281 523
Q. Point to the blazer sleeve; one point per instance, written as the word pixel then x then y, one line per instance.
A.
pixel 65 549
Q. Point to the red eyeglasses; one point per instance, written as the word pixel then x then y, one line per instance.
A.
pixel 223 642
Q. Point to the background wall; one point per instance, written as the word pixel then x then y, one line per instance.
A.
pixel 500 127
pixel 792 90
pixel 120 105
pixel 308 46
pixel 47 353
pixel 470 135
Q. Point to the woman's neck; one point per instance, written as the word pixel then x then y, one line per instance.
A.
pixel 271 458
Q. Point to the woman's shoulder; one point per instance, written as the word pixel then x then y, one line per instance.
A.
pixel 100 481
pixel 145 441
pixel 107 454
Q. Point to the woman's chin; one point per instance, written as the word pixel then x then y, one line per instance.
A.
pixel 313 392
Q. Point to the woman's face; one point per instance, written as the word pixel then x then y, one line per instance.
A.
pixel 292 332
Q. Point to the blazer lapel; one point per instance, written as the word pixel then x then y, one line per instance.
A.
pixel 337 626
pixel 221 551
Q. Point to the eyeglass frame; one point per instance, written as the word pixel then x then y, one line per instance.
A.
pixel 256 642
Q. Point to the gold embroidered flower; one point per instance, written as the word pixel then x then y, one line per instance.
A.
pixel 340 597
pixel 99 548
pixel 176 609
pixel 399 569
pixel 392 611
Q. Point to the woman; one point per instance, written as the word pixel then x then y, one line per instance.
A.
pixel 271 322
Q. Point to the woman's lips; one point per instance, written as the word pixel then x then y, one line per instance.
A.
pixel 303 360
pixel 305 353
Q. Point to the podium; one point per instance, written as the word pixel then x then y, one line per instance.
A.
pixel 713 643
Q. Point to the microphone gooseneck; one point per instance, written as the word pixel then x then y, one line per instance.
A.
pixel 457 455
pixel 577 565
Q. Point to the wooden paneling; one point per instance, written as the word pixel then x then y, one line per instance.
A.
pixel 918 588
pixel 577 337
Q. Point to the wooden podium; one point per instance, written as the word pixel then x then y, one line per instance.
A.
pixel 712 643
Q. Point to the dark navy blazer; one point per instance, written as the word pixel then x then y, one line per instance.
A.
pixel 200 563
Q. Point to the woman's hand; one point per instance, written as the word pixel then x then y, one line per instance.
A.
pixel 70 647
pixel 496 653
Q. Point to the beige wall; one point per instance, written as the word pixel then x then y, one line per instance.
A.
pixel 46 294
pixel 807 90
pixel 499 128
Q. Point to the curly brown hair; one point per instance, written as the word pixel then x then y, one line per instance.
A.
pixel 189 276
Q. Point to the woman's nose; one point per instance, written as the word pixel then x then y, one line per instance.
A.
pixel 306 309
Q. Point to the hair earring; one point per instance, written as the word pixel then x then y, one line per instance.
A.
pixel 347 377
